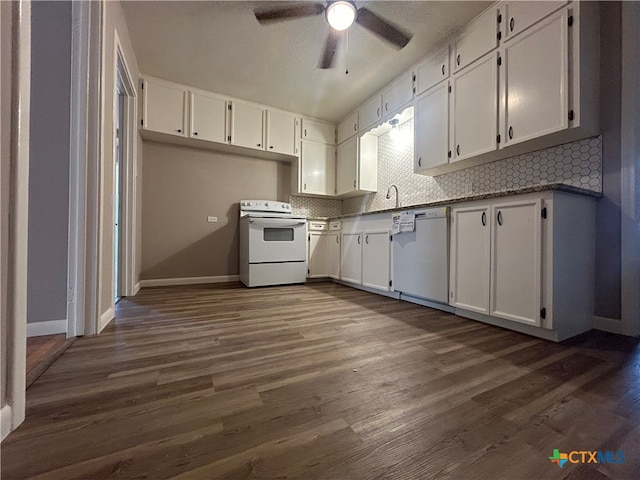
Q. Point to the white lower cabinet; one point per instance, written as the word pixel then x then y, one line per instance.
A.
pixel 528 259
pixel 351 258
pixel 333 255
pixel 376 259
pixel 318 264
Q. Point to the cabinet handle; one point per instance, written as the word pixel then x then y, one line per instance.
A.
pixel 354 184
pixel 510 133
pixel 458 149
pixel 305 186
pixel 305 132
pixel 386 106
pixel 443 69
pixel 355 127
pixel 458 59
pixel 358 239
pixel 499 218
pixel 420 161
pixel 337 239
pixel 179 130
pixel 484 219
pixel 511 24
pixel 378 111
pixel 366 239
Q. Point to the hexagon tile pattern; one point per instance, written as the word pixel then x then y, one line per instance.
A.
pixel 578 164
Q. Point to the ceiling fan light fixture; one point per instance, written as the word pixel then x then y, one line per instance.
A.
pixel 341 15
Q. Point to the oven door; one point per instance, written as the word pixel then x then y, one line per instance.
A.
pixel 277 240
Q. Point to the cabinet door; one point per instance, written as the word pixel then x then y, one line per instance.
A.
pixel 521 15
pixel 434 70
pixel 347 166
pixel 164 107
pixel 516 261
pixel 318 131
pixel 470 250
pixel 333 255
pixel 431 128
pixel 476 40
pixel 281 129
pixel 246 125
pixel 208 117
pixel 398 94
pixel 370 113
pixel 536 86
pixel 475 109
pixel 376 259
pixel 348 127
pixel 351 258
pixel 318 168
pixel 318 264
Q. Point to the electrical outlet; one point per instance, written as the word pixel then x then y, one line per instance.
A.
pixel 468 188
pixel 212 219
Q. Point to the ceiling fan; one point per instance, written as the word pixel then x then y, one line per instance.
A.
pixel 340 15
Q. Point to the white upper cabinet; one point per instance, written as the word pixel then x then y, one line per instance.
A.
pixel 434 70
pixel 397 95
pixel 516 261
pixel 478 39
pixel 318 131
pixel 348 127
pixel 281 132
pixel 431 128
pixel 347 166
pixel 475 109
pixel 357 166
pixel 208 117
pixel 520 15
pixel 164 108
pixel 317 168
pixel 246 125
pixel 537 86
pixel 370 113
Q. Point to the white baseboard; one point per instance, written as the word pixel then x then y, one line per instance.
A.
pixel 50 327
pixel 105 318
pixel 165 282
pixel 5 421
pixel 136 288
pixel 606 324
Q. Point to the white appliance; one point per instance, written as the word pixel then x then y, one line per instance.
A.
pixel 421 257
pixel 272 244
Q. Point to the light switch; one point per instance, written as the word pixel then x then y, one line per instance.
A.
pixel 212 219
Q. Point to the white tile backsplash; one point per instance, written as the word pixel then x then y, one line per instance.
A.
pixel 578 164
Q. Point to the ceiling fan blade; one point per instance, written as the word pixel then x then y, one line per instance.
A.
pixel 382 28
pixel 286 13
pixel 330 46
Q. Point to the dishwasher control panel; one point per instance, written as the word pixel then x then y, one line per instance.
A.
pixel 433 213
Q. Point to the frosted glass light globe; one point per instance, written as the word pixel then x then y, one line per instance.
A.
pixel 341 15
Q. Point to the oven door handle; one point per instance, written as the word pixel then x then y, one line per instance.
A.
pixel 277 223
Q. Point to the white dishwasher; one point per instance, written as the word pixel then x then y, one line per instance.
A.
pixel 421 257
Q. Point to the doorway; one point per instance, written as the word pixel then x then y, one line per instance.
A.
pixel 118 184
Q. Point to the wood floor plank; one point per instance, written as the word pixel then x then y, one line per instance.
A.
pixel 322 381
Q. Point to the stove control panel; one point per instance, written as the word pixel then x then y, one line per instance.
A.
pixel 264 206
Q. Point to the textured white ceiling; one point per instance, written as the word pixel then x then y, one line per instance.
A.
pixel 220 47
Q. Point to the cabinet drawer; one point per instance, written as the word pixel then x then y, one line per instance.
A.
pixel 317 226
pixel 433 70
pixel 348 127
pixel 370 113
pixel 335 226
pixel 478 39
pixel 521 15
pixel 398 94
pixel 318 131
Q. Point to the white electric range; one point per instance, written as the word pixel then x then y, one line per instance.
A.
pixel 273 244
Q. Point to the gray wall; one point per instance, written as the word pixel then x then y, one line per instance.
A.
pixel 608 217
pixel 49 168
pixel 181 187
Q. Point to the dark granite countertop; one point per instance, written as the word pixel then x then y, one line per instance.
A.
pixel 561 187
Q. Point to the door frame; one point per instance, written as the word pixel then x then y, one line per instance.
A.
pixel 12 413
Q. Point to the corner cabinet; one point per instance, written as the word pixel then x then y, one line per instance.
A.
pixel 357 166
pixel 526 260
pixel 317 171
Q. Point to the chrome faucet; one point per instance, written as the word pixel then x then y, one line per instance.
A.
pixel 397 194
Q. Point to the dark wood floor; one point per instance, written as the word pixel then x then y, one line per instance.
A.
pixel 42 352
pixel 323 381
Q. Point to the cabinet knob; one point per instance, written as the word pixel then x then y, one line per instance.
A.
pixel 259 144
pixel 179 130
pixel 458 59
pixel 195 133
pixel 511 24
pixel 271 146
